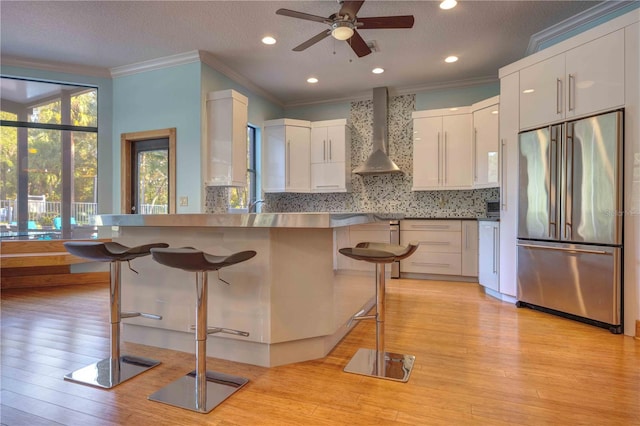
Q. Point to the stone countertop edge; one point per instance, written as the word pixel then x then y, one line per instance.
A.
pixel 245 220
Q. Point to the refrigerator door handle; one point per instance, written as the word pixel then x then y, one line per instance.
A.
pixel 553 159
pixel 570 250
pixel 568 183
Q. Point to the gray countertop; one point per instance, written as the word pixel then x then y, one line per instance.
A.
pixel 245 220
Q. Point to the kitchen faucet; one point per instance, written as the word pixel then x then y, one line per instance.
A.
pixel 252 205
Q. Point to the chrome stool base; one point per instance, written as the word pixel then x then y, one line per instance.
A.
pixel 109 372
pixel 183 393
pixel 389 365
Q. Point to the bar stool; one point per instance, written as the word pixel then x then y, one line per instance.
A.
pixel 114 370
pixel 200 390
pixel 376 362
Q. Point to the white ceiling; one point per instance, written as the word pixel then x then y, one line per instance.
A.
pixel 108 34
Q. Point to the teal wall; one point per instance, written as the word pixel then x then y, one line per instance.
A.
pixel 105 119
pixel 455 96
pixel 630 5
pixel 319 112
pixel 160 99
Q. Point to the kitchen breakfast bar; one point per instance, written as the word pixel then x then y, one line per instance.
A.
pixel 292 298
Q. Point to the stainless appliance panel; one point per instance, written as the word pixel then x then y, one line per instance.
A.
pixel 582 280
pixel 538 212
pixel 591 175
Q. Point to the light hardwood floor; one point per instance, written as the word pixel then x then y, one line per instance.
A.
pixel 478 361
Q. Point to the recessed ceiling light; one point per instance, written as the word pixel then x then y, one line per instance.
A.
pixel 528 91
pixel 448 4
pixel 312 80
pixel 268 40
pixel 451 59
pixel 377 70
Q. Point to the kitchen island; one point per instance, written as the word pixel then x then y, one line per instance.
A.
pixel 291 297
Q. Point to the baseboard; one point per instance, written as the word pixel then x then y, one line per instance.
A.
pixel 638 329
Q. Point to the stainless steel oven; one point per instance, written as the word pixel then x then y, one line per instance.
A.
pixel 394 227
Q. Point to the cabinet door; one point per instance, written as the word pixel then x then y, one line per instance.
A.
pixel 328 177
pixel 274 154
pixel 595 75
pixel 509 98
pixel 541 92
pixel 336 144
pixel 319 145
pixel 298 159
pixel 486 144
pixel 470 248
pixel 427 148
pixel 488 255
pixel 457 164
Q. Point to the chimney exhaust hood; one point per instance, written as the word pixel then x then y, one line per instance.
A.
pixel 379 162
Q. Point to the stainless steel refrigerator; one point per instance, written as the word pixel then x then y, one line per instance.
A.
pixel 570 220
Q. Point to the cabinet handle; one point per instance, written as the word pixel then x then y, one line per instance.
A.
pixel 324 150
pixel 438 158
pixel 330 156
pixel 288 160
pixel 572 91
pixel 466 237
pixel 435 243
pixel 444 162
pixel 438 265
pixel 558 96
pixel 429 226
pixel 503 181
pixel 475 154
pixel 495 254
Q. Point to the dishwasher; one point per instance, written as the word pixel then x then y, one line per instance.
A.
pixel 394 238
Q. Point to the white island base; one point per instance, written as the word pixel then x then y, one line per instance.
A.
pixel 291 298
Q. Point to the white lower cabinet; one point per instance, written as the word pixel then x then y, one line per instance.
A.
pixel 446 247
pixel 469 248
pixel 489 254
pixel 377 232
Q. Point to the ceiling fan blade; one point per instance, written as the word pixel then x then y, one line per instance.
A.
pixel 405 21
pixel 301 15
pixel 358 45
pixel 312 41
pixel 350 8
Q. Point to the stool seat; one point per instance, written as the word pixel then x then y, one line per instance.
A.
pixel 200 390
pixel 108 251
pixel 379 252
pixel 376 362
pixel 114 370
pixel 193 260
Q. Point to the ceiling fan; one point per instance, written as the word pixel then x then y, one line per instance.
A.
pixel 344 25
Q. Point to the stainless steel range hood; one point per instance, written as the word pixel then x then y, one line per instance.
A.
pixel 379 162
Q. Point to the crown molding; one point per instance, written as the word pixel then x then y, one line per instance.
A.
pixel 593 13
pixel 215 63
pixel 156 64
pixel 14 61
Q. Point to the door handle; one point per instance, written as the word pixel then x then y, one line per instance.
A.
pixel 475 154
pixel 572 91
pixel 503 181
pixel 438 158
pixel 570 250
pixel 558 96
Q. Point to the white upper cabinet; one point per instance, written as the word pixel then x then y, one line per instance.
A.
pixel 330 156
pixel 286 156
pixel 227 139
pixel 581 81
pixel 486 143
pixel 442 155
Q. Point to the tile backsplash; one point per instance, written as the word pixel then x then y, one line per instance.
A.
pixel 383 193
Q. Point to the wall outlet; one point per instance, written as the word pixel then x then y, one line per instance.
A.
pixel 184 201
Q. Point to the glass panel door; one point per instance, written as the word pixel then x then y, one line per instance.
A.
pixel 150 177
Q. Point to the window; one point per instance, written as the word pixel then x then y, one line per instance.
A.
pixel 242 198
pixel 48 159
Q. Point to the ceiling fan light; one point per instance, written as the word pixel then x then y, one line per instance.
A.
pixel 342 30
